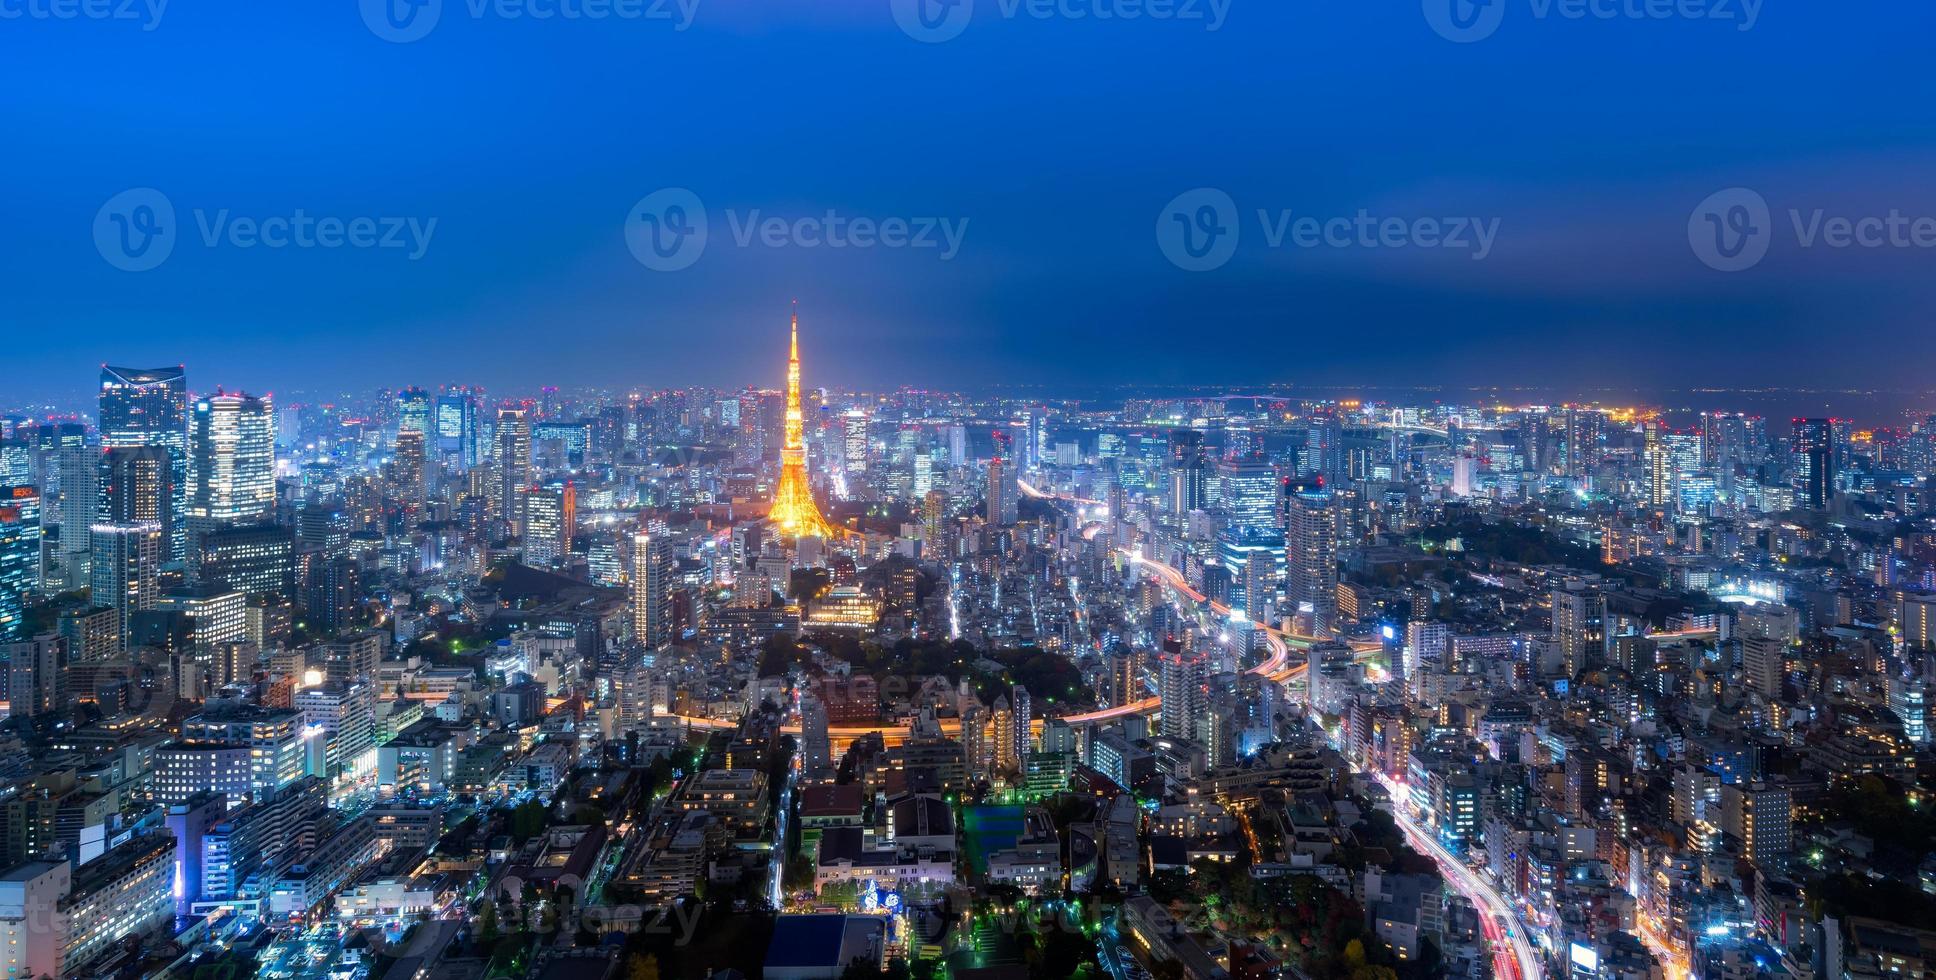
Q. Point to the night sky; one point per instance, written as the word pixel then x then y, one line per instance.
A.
pixel 1060 141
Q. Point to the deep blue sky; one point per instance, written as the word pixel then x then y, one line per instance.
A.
pixel 1059 141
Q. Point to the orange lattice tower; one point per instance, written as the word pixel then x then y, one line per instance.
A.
pixel 794 511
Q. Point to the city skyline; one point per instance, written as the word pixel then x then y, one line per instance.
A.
pixel 967 490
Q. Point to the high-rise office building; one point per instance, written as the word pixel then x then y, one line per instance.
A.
pixel 957 445
pixel 80 504
pixel 1189 472
pixel 413 411
pixel 149 407
pixel 513 438
pixel 457 424
pixel 16 462
pixel 1311 543
pixel 126 559
pixel 136 487
pixel 1034 436
pixel 1259 576
pixel 1247 495
pixel 20 562
pixel 854 441
pixel 1324 446
pixel 254 560
pixel 232 465
pixel 1004 497
pixel 1813 448
pixel 934 516
pixel 547 525
pixel 406 472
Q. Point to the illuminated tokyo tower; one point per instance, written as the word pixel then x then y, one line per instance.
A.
pixel 793 507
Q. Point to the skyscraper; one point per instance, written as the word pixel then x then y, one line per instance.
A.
pixel 149 407
pixel 457 428
pixel 1312 546
pixel 137 485
pixel 1252 532
pixel 1003 505
pixel 407 469
pixel 20 516
pixel 794 512
pixel 514 464
pixel 653 566
pixel 1814 451
pixel 854 441
pixel 547 528
pixel 1584 434
pixel 232 464
pixel 1181 677
pixel 1034 434
pixel 1658 476
pixel 127 555
pixel 1188 471
pixel 413 411
pixel 1248 496
pixel 934 516
pixel 80 503
pixel 957 445
pixel 1259 577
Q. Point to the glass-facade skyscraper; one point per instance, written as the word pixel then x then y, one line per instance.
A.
pixel 232 464
pixel 1814 449
pixel 149 407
